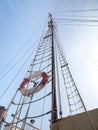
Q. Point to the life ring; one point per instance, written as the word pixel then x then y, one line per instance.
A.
pixel 23 86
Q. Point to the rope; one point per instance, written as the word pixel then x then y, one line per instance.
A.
pixel 43 110
pixel 12 100
pixel 42 60
pixel 30 71
pixel 80 48
pixel 5 74
pixel 40 115
pixel 23 125
pixel 77 20
pixel 16 113
pixel 22 47
pixel 82 10
pixel 89 117
pixel 15 75
pixel 28 118
pixel 32 101
pixel 74 25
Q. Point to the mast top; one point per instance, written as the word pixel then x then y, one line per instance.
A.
pixel 50 22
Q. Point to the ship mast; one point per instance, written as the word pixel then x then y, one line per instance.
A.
pixel 54 104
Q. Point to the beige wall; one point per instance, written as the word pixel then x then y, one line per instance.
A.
pixel 77 122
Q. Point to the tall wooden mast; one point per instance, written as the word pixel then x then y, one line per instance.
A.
pixel 54 104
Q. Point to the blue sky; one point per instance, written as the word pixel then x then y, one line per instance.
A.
pixel 19 19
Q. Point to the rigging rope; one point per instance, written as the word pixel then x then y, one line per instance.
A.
pixel 32 101
pixel 18 111
pixel 63 17
pixel 15 75
pixel 84 51
pixel 40 115
pixel 44 100
pixel 30 71
pixel 74 25
pixel 82 10
pixel 28 118
pixel 83 106
pixel 76 20
pixel 28 108
pixel 19 60
pixel 20 50
pixel 71 15
pixel 42 110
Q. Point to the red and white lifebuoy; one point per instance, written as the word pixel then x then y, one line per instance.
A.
pixel 23 86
